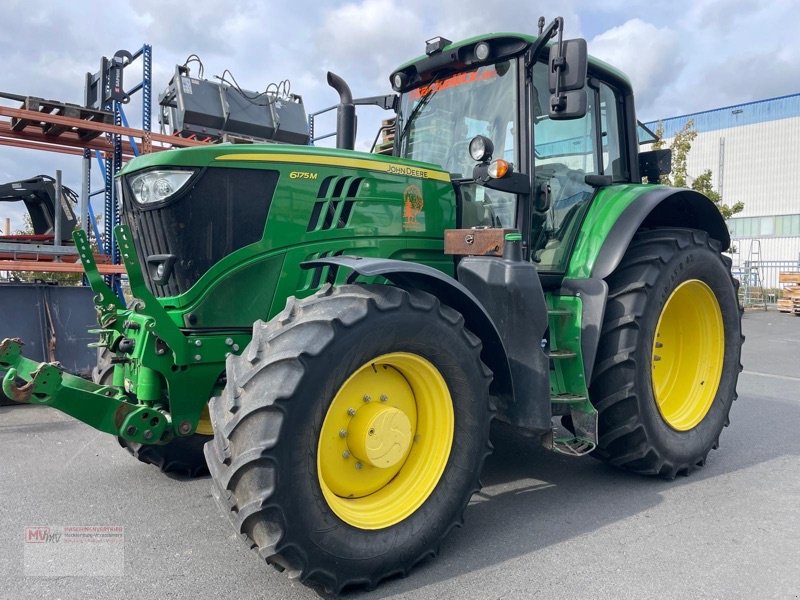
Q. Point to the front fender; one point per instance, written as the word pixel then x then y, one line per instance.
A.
pixel 449 291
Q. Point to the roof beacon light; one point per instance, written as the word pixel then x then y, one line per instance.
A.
pixel 437 44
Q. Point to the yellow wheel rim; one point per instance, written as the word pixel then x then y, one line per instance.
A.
pixel 204 424
pixel 688 352
pixel 385 440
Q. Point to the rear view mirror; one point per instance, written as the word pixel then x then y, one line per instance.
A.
pixel 573 62
pixel 568 63
pixel 569 105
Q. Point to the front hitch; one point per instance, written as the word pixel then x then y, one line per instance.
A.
pixel 105 408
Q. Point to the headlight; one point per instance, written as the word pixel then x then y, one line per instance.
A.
pixel 156 186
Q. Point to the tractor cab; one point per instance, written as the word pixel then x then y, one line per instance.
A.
pixel 560 126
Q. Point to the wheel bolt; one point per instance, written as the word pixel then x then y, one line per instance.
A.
pixel 359 466
pixel 346 454
pixel 367 397
pixel 351 412
pixel 656 357
pixel 342 433
pixel 384 397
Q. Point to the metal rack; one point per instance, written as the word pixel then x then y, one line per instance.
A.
pixel 97 130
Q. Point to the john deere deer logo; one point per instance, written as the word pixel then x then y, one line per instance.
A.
pixel 413 205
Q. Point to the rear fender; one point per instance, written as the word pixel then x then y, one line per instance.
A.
pixel 618 212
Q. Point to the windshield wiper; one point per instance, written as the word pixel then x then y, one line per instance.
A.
pixel 423 102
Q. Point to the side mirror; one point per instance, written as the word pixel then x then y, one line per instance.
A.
pixel 570 105
pixel 568 63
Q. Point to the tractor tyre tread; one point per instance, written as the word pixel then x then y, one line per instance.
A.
pixel 627 438
pixel 246 457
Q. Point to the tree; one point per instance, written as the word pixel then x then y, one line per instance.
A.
pixel 679 176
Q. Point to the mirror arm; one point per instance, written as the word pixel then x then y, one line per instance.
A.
pixel 541 42
pixel 557 100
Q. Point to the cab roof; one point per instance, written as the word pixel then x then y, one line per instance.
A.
pixel 459 56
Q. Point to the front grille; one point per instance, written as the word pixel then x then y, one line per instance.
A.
pixel 222 211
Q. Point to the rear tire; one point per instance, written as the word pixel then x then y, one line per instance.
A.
pixel 181 456
pixel 301 376
pixel 660 415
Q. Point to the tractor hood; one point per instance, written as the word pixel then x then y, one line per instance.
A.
pixel 229 154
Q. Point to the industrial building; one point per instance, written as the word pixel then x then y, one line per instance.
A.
pixel 753 151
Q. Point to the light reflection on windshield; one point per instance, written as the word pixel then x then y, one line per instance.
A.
pixel 456 109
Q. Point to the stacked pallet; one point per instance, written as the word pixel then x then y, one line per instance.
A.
pixel 387 137
pixel 790 299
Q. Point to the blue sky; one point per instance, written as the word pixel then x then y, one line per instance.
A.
pixel 682 56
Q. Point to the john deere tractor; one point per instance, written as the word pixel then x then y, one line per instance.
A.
pixel 342 327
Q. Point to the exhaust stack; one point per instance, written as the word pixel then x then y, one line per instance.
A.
pixel 345 113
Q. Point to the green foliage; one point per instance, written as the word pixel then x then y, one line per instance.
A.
pixel 679 176
pixel 702 184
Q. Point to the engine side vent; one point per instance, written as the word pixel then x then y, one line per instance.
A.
pixel 334 205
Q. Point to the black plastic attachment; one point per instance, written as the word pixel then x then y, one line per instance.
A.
pixel 655 163
pixel 512 294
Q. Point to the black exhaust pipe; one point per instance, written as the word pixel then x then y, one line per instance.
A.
pixel 345 114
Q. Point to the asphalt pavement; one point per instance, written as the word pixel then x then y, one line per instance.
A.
pixel 544 526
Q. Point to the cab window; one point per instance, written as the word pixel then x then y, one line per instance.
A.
pixel 564 153
pixel 614 163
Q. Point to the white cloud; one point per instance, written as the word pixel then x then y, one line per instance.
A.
pixel 649 55
pixel 366 40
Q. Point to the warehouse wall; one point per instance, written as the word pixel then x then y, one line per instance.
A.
pixel 753 151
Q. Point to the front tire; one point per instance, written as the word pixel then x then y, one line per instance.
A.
pixel 669 354
pixel 295 458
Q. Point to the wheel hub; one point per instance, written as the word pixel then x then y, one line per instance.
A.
pixel 380 435
pixel 385 440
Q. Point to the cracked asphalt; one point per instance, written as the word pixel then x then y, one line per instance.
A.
pixel 544 526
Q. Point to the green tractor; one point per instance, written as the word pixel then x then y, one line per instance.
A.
pixel 332 332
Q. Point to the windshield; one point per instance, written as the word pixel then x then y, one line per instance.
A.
pixel 438 121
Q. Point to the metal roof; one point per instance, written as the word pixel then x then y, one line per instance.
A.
pixel 747 113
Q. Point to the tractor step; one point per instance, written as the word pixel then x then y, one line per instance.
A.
pixel 558 312
pixel 573 446
pixel 567 399
pixel 562 354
